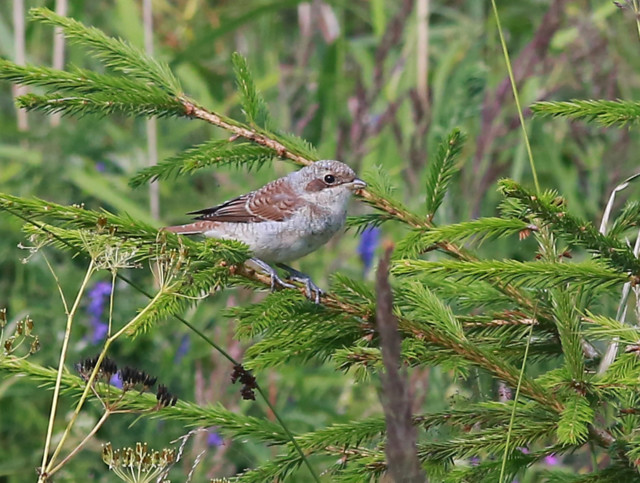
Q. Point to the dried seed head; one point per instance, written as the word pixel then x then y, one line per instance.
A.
pixel 35 345
pixel 107 368
pixel 164 397
pixel 132 377
pixel 248 381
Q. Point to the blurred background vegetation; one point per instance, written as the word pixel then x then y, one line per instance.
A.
pixel 373 83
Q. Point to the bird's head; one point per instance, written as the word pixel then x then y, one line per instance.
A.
pixel 327 181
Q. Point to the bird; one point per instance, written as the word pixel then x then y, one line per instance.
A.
pixel 284 220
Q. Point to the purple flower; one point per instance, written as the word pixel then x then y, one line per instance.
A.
pixel 369 240
pixel 116 380
pixel 523 450
pixel 98 297
pixel 551 460
pixel 214 438
pixel 101 167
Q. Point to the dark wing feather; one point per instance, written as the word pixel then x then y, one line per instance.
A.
pixel 275 201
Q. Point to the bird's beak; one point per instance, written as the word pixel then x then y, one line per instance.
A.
pixel 357 184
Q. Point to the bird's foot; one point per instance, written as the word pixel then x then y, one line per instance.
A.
pixel 275 279
pixel 313 291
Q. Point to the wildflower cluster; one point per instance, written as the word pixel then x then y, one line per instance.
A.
pixel 139 464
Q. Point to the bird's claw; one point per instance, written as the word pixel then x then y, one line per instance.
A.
pixel 273 275
pixel 276 280
pixel 313 292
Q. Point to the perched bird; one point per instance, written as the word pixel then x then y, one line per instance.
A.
pixel 284 220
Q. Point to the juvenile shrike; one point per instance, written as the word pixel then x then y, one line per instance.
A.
pixel 284 220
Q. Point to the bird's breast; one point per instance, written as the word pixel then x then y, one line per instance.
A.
pixel 284 241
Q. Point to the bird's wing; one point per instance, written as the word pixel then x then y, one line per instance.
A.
pixel 275 201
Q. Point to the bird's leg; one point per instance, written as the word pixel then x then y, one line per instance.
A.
pixel 313 291
pixel 272 274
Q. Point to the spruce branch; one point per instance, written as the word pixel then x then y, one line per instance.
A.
pixel 628 218
pixel 567 321
pixel 441 170
pixel 422 240
pixel 116 53
pixel 212 153
pixel 282 147
pixel 104 103
pixel 253 104
pixel 517 274
pixel 134 233
pixel 551 210
pixel 604 112
pixel 605 328
pixel 573 427
pixel 75 81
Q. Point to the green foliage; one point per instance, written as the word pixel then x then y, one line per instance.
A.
pixel 104 104
pixel 253 105
pixel 117 54
pixel 442 168
pixel 604 112
pixel 215 153
pixel 552 210
pixel 574 420
pixel 478 231
pixel 533 274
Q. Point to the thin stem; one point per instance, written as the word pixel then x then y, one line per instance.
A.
pixel 516 96
pixel 95 371
pixel 289 434
pixel 55 277
pixel 114 275
pixel 82 443
pixel 515 403
pixel 63 355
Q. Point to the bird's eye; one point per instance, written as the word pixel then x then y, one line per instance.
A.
pixel 329 179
